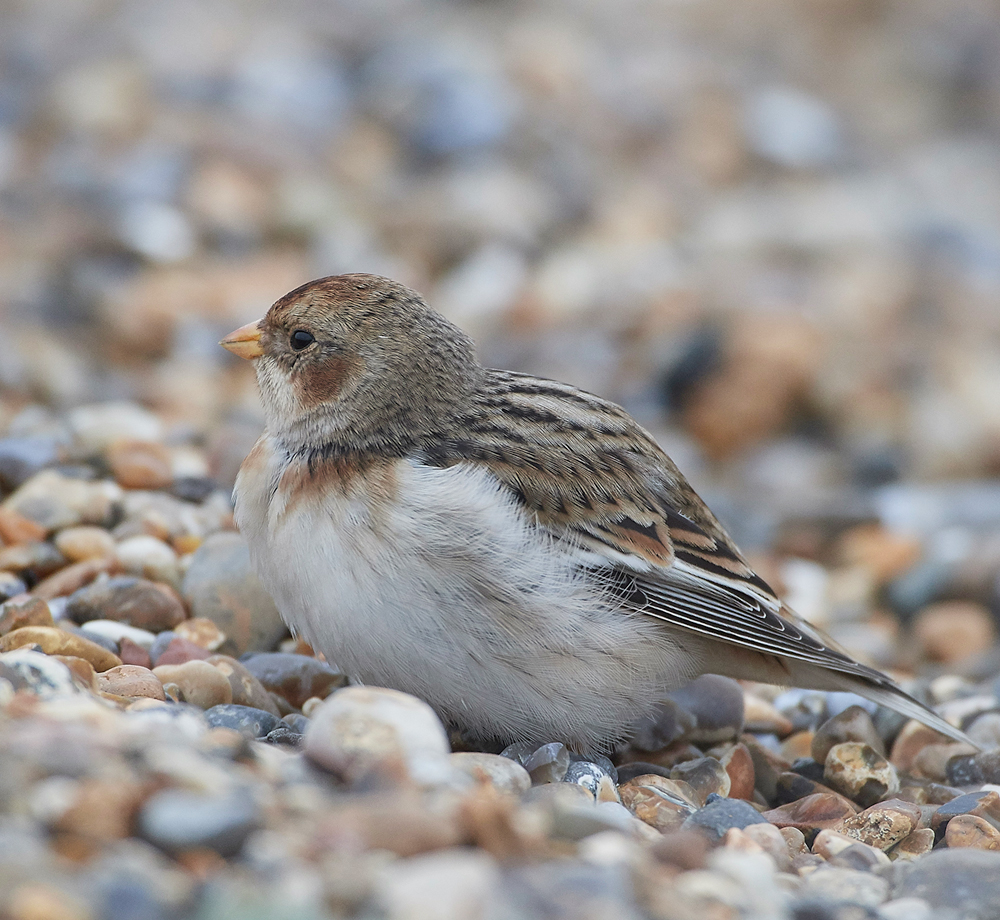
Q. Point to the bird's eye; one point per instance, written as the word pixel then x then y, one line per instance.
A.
pixel 300 339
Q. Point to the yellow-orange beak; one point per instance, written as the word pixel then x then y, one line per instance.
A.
pixel 245 341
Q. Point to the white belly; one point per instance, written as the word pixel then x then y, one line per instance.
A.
pixel 449 591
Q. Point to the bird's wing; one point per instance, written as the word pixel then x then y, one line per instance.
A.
pixel 598 482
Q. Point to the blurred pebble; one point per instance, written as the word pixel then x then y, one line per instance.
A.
pixel 96 427
pixel 177 651
pixel 56 501
pixel 178 820
pixel 246 688
pixel 706 776
pixel 136 601
pixel 358 732
pixel 502 773
pixel 853 724
pixel 115 631
pixel 139 464
pixel 150 558
pixel 253 722
pixel 30 612
pixel 55 641
pixel 952 630
pixel 84 542
pixel 220 586
pixel 131 681
pixel 719 814
pixel 22 457
pixel 10 586
pixel 964 882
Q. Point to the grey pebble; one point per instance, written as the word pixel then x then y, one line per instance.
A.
pixel 246 719
pixel 177 820
pixel 719 814
pixel 22 457
pixel 11 586
pixel 548 764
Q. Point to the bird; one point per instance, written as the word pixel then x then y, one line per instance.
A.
pixel 515 551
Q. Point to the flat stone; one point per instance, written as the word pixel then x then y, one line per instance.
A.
pixel 136 601
pixel 55 641
pixel 858 771
pixel 984 804
pixel 814 812
pixel 201 684
pixel 74 577
pixel 358 732
pixel 114 631
pixel 831 885
pixel 502 773
pixel 220 585
pixel 131 681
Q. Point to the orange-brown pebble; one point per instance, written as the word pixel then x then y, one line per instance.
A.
pixel 74 577
pixel 186 543
pixel 31 611
pixel 55 641
pixel 102 810
pixel 972 831
pixel 739 766
pixel 202 685
pixel 81 669
pixel 84 542
pixel 201 631
pixel 883 553
pixel 16 528
pixel 130 680
pixel 952 630
pixel 913 737
pixel 140 464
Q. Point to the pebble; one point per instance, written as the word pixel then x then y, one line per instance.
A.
pixel 22 457
pixel 245 719
pixel 361 732
pixel 201 684
pixel 36 672
pixel 201 632
pixel 915 845
pixel 247 689
pixel 30 612
pixel 706 776
pixel 594 778
pixel 719 814
pixel 831 844
pixel 813 812
pixel 548 764
pixel 950 631
pixel 16 528
pixel 55 641
pixel 177 820
pixel 984 804
pixel 32 561
pixel 739 765
pixel 11 586
pixel 295 678
pixel 126 599
pixel 139 464
pixel 833 885
pixel 502 773
pixel 219 585
pixel 176 650
pixel 84 542
pixel 150 558
pixel 56 501
pixel 661 803
pixel 131 681
pixel 972 831
pixel 716 707
pixel 858 771
pixel 115 632
pixel 853 724
pixel 883 825
pixel 965 881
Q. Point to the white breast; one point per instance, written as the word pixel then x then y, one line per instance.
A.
pixel 447 589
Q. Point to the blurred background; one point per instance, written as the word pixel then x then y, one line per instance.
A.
pixel 770 229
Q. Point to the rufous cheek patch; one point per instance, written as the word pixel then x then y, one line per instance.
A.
pixel 320 381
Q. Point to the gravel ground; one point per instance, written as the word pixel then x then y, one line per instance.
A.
pixel 772 232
